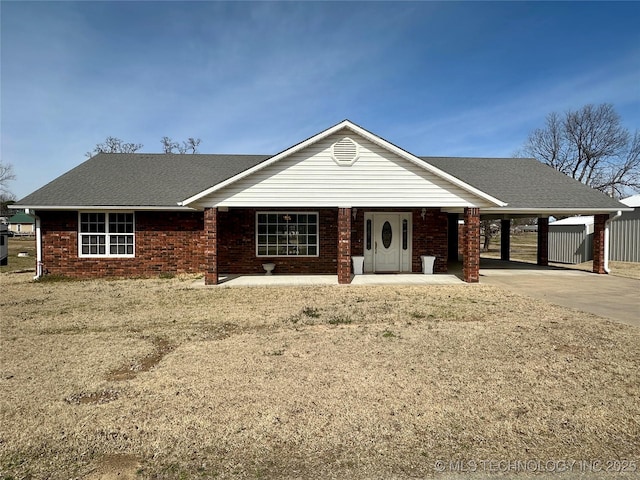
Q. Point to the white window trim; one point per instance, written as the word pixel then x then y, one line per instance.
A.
pixel 317 244
pixel 107 253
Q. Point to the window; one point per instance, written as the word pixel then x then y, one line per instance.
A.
pixel 106 234
pixel 283 234
pixel 405 234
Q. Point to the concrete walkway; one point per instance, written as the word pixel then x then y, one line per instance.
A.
pixel 617 298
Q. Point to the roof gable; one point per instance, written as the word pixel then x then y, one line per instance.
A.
pixel 370 176
pixel 346 124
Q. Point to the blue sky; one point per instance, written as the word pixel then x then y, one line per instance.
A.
pixel 455 78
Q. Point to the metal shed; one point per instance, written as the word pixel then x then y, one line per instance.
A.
pixel 625 233
pixel 571 240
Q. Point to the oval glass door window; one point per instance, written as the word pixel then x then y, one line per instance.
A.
pixel 387 234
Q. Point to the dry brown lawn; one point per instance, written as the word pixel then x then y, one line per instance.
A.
pixel 15 263
pixel 156 379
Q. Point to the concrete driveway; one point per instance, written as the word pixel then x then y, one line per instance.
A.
pixel 617 298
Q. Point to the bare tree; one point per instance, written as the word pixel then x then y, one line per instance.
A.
pixel 168 145
pixel 188 146
pixel 6 175
pixel 590 145
pixel 114 145
pixel 6 199
pixel 191 145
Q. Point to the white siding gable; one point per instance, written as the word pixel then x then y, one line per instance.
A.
pixel 312 177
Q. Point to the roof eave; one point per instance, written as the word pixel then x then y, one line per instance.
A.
pixel 16 206
pixel 556 210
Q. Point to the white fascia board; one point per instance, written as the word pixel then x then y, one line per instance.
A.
pixel 266 163
pixel 101 207
pixel 553 211
pixel 364 133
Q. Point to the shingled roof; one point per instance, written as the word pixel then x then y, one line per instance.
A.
pixel 524 183
pixel 139 179
pixel 142 180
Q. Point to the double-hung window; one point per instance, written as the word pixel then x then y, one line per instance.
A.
pixel 284 234
pixel 106 234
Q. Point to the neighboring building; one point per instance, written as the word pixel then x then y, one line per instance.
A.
pixel 571 240
pixel 4 244
pixel 22 224
pixel 625 233
pixel 341 193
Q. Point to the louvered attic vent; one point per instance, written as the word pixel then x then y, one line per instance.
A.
pixel 345 151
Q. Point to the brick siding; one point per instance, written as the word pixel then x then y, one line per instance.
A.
pixel 211 246
pixel 176 242
pixel 471 245
pixel 237 244
pixel 166 242
pixel 344 245
pixel 543 241
pixel 598 243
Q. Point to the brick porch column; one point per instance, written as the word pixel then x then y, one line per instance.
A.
pixel 211 246
pixel 598 243
pixel 471 245
pixel 543 241
pixel 505 239
pixel 344 245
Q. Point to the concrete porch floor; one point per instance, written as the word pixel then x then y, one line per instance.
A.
pixel 302 280
pixel 488 268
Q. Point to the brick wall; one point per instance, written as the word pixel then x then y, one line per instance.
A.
pixel 430 237
pixel 471 245
pixel 211 246
pixel 175 242
pixel 543 241
pixel 344 245
pixel 166 242
pixel 237 244
pixel 598 243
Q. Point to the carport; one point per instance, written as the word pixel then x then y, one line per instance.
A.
pixel 510 180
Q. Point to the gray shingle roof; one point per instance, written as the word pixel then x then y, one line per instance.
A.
pixel 162 180
pixel 523 183
pixel 140 179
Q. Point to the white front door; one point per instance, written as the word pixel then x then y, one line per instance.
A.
pixel 386 242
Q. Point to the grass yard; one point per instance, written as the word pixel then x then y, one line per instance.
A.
pixel 16 263
pixel 155 379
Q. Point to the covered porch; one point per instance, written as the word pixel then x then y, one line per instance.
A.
pixel 338 241
pixel 384 241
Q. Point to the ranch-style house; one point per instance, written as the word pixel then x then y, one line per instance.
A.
pixel 344 196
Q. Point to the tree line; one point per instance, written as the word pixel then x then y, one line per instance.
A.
pixel 116 145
